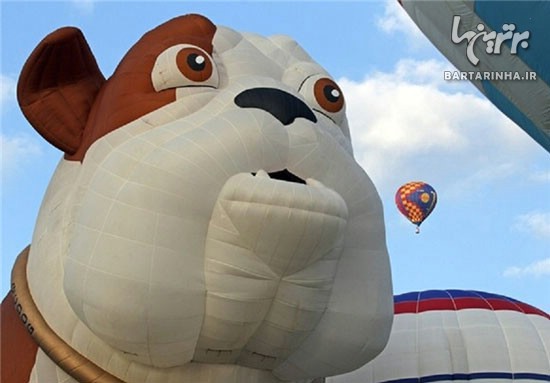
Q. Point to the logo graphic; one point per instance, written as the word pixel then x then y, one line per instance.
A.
pixel 493 40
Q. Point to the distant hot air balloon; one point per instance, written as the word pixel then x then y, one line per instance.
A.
pixel 460 336
pixel 416 200
pixel 501 47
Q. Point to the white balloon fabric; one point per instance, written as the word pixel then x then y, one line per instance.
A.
pixel 501 47
pixel 225 236
pixel 458 335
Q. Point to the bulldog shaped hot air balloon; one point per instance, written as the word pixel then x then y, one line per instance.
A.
pixel 461 336
pixel 208 222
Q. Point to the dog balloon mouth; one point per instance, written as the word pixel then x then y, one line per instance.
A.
pixel 281 175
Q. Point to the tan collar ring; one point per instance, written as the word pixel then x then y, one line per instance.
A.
pixel 61 353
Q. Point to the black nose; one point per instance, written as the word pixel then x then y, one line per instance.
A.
pixel 282 105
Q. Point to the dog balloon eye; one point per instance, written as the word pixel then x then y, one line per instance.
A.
pixel 194 64
pixel 182 66
pixel 328 95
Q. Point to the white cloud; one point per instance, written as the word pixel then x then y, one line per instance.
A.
pixel 16 151
pixel 7 90
pixel 536 223
pixel 412 124
pixel 535 269
pixel 85 6
pixel 396 20
pixel 542 176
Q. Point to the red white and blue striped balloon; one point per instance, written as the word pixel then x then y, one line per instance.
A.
pixel 457 335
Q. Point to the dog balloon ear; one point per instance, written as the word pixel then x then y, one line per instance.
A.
pixel 57 87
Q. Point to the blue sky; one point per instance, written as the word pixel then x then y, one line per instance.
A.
pixel 491 228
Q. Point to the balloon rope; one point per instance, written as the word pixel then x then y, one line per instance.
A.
pixel 63 355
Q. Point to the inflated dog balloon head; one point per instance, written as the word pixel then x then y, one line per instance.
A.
pixel 208 221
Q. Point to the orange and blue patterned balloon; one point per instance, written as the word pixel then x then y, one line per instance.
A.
pixel 416 200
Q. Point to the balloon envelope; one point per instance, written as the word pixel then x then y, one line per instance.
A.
pixel 416 200
pixel 517 51
pixel 457 335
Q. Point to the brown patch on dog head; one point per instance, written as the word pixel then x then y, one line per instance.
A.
pixel 129 94
pixel 65 97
